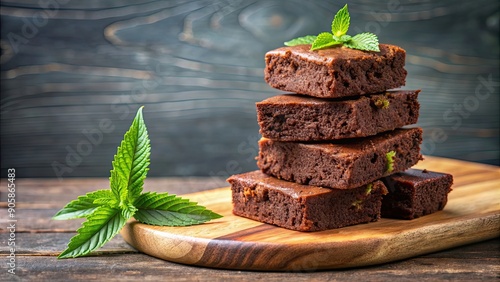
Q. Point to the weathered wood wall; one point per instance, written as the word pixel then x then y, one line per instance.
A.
pixel 73 74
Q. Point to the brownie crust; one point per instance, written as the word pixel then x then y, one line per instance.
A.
pixel 415 193
pixel 341 164
pixel 335 72
pixel 292 117
pixel 303 208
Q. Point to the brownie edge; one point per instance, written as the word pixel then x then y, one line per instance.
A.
pixel 292 117
pixel 335 72
pixel 341 164
pixel 415 193
pixel 260 197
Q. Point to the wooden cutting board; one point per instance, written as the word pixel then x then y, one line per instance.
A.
pixel 471 215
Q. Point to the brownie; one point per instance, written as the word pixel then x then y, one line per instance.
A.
pixel 292 117
pixel 335 72
pixel 301 207
pixel 415 193
pixel 342 164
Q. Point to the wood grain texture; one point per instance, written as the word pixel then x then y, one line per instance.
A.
pixel 471 215
pixel 197 66
pixel 40 240
pixel 469 263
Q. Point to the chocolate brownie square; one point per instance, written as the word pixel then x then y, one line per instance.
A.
pixel 300 207
pixel 292 117
pixel 342 164
pixel 415 193
pixel 335 72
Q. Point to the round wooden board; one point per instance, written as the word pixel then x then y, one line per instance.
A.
pixel 232 242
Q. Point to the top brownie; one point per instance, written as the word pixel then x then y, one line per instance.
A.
pixel 335 72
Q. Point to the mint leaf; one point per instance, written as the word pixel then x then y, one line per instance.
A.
pixel 107 211
pixel 102 225
pixel 341 22
pixel 390 161
pixel 344 38
pixel 119 189
pixel 340 25
pixel 83 206
pixel 324 40
pixel 132 158
pixel 170 210
pixel 111 202
pixel 128 211
pixel 364 41
pixel 309 39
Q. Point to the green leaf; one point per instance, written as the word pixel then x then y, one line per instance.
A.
pixel 340 25
pixel 128 211
pixel 170 210
pixel 344 38
pixel 364 41
pixel 102 225
pixel 390 161
pixel 111 202
pixel 132 158
pixel 119 189
pixel 83 205
pixel 107 211
pixel 308 39
pixel 341 22
pixel 324 40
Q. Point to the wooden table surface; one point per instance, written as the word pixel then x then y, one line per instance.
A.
pixel 39 240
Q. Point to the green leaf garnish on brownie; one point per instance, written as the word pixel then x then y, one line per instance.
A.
pixel 364 41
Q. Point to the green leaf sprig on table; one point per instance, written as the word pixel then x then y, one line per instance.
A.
pixel 108 210
pixel 365 41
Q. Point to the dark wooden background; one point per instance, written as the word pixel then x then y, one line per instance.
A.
pixel 69 67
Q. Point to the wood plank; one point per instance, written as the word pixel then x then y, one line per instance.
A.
pixel 40 220
pixel 478 261
pixel 52 244
pixel 471 215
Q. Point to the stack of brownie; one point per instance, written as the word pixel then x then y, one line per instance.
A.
pixel 329 154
